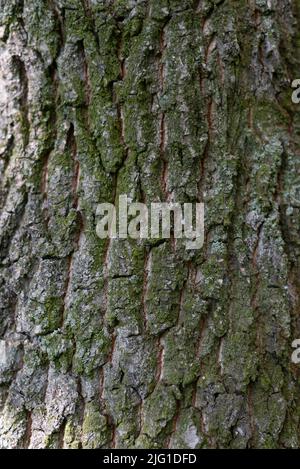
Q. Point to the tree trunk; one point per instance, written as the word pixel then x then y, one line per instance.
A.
pixel 144 344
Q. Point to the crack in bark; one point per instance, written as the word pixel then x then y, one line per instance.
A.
pixel 46 156
pixel 146 270
pixel 28 431
pixel 162 125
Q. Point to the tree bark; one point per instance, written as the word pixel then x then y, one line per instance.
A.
pixel 127 344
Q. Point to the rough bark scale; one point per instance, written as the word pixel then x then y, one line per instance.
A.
pixel 125 344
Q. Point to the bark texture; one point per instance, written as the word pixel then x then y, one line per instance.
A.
pixel 127 344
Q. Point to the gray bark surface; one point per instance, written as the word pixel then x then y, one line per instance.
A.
pixel 126 344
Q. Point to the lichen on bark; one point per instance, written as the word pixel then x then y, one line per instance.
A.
pixel 126 344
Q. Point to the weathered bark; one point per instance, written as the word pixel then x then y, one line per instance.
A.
pixel 129 344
